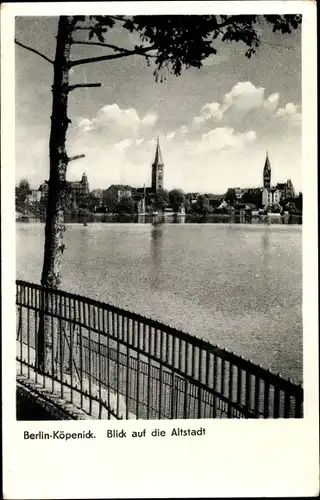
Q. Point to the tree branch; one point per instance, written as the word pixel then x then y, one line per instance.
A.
pixel 79 28
pixel 99 44
pixel 81 85
pixel 119 18
pixel 33 50
pixel 76 157
pixel 277 46
pixel 143 52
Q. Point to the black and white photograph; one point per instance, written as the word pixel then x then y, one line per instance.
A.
pixel 159 212
pixel 159 247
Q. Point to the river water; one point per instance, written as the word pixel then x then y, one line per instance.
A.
pixel 236 285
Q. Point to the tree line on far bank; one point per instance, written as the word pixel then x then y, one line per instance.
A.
pixel 163 199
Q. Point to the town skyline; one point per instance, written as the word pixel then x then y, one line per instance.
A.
pixel 148 184
pixel 213 136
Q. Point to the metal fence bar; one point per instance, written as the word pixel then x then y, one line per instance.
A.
pixel 61 338
pixel 248 390
pixel 100 364
pixel 138 371
pixel 108 363
pixel 81 355
pixel 71 349
pixel 276 403
pixel 287 405
pixel 128 373
pixel 149 372
pixel 157 371
pixel 160 373
pixel 36 324
pixel 187 369
pixel 21 336
pixel 48 302
pixel 266 399
pixel 257 395
pixel 200 393
pixel 230 389
pixel 29 292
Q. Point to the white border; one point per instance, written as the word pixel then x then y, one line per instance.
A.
pixel 245 458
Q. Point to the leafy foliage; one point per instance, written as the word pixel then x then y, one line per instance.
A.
pixel 231 195
pixel 22 191
pixel 176 198
pixel 178 42
pixel 125 205
pixel 253 196
pixel 160 199
pixel 203 205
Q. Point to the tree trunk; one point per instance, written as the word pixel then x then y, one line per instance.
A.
pixel 55 228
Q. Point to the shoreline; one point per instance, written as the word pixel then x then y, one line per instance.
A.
pixel 135 218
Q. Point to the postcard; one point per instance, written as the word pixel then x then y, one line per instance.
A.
pixel 159 235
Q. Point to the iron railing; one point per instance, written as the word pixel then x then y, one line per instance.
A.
pixel 113 363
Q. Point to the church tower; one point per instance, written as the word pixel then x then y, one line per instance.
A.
pixel 85 184
pixel 267 173
pixel 157 170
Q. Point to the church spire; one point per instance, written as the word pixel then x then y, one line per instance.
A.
pixel 157 170
pixel 267 173
pixel 158 156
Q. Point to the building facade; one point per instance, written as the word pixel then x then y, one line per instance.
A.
pixel 76 192
pixel 239 192
pixel 79 190
pixel 118 191
pixel 34 196
pixel 286 189
pixel 270 197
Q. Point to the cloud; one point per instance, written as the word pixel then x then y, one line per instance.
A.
pixel 272 102
pixel 170 136
pixel 219 139
pixel 215 59
pixel 116 120
pixel 151 141
pixel 139 141
pixel 208 111
pixel 85 125
pixel 123 145
pixel 290 113
pixel 243 96
pixel 149 120
pixel 226 138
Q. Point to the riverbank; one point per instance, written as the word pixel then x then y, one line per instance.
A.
pixel 179 219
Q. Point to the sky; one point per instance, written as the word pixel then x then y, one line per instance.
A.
pixel 215 124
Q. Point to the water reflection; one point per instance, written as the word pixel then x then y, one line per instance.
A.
pixel 141 219
pixel 156 247
pixel 264 274
pixel 265 240
pixel 194 218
